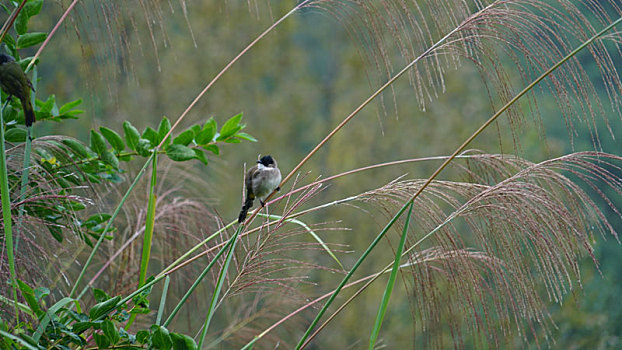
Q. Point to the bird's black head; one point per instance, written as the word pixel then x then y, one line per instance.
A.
pixel 4 58
pixel 267 161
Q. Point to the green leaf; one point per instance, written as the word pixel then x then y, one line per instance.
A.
pixel 69 106
pixel 56 232
pixel 80 327
pixel 143 147
pixel 245 136
pixel 184 138
pixel 110 159
pixel 29 339
pixel 163 129
pixel 29 296
pixel 9 41
pixel 100 295
pixel 230 127
pixel 140 310
pixel 101 341
pixel 152 136
pixel 180 153
pixel 196 129
pixel 15 135
pixel 131 135
pixel 160 338
pixel 206 135
pixel 30 39
pixel 230 140
pixel 212 148
pixel 183 342
pixel 41 292
pixel 21 23
pixel 110 331
pixel 33 7
pixel 114 139
pixel 142 336
pixel 389 288
pixel 47 106
pixel 200 155
pixel 78 148
pixel 103 308
pixel 98 143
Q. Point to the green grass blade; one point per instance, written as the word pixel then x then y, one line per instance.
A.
pixel 23 307
pixel 6 213
pixel 350 273
pixel 387 292
pixel 167 280
pixel 221 280
pixel 101 238
pixel 149 225
pixel 26 165
pixel 21 341
pixel 196 283
pixel 48 316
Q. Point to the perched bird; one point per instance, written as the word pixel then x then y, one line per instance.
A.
pixel 260 181
pixel 14 82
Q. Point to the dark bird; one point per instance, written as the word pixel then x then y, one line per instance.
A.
pixel 260 181
pixel 14 82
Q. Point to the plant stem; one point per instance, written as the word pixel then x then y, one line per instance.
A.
pixel 149 225
pixel 108 225
pixel 196 283
pixel 167 280
pixel 6 212
pixel 221 280
pixel 226 68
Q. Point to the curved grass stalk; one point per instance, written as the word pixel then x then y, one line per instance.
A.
pixel 231 63
pixel 309 231
pixel 444 165
pixel 6 212
pixel 11 20
pixel 373 96
pixel 358 170
pixel 51 34
pixel 179 262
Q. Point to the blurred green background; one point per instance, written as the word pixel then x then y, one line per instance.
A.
pixel 140 63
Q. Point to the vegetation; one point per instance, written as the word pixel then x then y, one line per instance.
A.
pixel 469 248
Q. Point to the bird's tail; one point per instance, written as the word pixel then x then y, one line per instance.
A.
pixel 29 113
pixel 248 203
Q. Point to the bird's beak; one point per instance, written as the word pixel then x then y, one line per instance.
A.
pixel 258 161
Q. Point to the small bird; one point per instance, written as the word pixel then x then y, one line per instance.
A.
pixel 14 82
pixel 260 181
